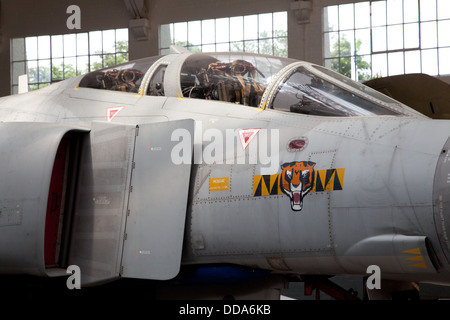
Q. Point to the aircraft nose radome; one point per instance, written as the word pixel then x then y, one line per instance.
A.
pixel 441 199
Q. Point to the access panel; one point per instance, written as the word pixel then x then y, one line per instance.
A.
pixel 101 201
pixel 158 200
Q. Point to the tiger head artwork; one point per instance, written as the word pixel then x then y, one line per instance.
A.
pixel 297 180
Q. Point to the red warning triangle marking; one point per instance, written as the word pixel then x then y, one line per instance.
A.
pixel 112 112
pixel 246 135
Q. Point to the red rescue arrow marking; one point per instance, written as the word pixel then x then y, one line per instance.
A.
pixel 246 136
pixel 112 112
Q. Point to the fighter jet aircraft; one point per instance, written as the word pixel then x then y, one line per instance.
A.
pixel 215 169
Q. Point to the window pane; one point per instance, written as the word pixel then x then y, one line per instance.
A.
pixel 411 34
pixel 363 68
pixel 444 61
pixel 346 66
pixel 251 46
pixel 394 11
pixel 379 39
pixel 347 43
pixel 265 46
pixel 362 41
pixel 443 9
pixel 194 33
pixel 44 71
pixel 32 69
pixel 180 33
pixel 429 59
pixel 427 10
pixel 223 47
pixel 327 63
pixel 109 41
pixel 209 48
pixel 412 62
pixel 82 44
pixel 31 47
pixel 250 27
pixel 346 17
pixel 208 31
pixel 57 47
pixel 411 11
pixel 70 45
pixel 379 65
pixel 96 62
pixel 362 15
pixel 82 65
pixel 122 34
pixel 331 44
pixel 57 69
pixel 70 65
pixel 331 19
pixel 237 29
pixel 222 30
pixel 444 33
pixel 237 46
pixel 428 37
pixel 378 13
pixel 194 48
pixel 265 25
pixel 395 37
pixel 395 62
pixel 95 42
pixel 280 24
pixel 280 47
pixel 332 64
pixel 44 47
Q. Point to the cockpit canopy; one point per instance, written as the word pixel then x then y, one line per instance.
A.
pixel 126 77
pixel 239 79
pixel 252 80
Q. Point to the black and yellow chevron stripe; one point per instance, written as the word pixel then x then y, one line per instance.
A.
pixel 324 180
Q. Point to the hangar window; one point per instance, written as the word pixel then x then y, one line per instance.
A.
pixel 48 59
pixel 380 38
pixel 260 33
